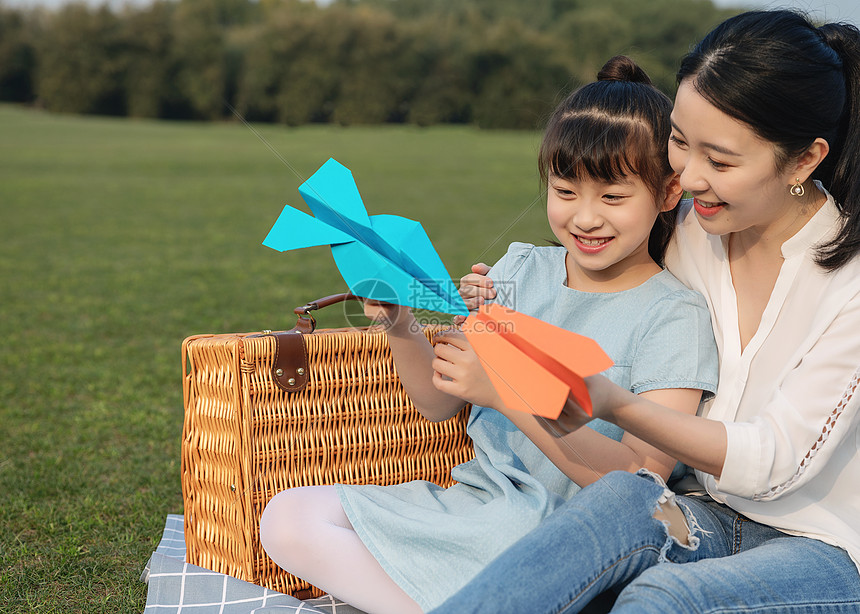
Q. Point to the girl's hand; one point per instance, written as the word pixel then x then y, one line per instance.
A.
pixel 458 371
pixel 393 318
pixel 476 288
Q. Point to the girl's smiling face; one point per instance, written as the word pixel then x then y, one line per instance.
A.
pixel 731 173
pixel 605 229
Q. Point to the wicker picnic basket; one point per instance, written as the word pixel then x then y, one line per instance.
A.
pixel 269 411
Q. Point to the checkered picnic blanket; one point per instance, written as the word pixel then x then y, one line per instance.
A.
pixel 178 587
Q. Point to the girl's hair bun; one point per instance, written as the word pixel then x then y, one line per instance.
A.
pixel 622 68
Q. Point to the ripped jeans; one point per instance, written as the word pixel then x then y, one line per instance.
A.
pixel 606 537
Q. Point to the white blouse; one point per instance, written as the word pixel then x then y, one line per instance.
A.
pixel 788 399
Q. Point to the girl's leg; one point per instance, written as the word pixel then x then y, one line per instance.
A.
pixel 306 532
pixel 602 538
pixel 786 574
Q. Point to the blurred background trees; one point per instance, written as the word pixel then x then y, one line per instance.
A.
pixel 492 63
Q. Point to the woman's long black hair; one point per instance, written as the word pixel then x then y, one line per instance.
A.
pixel 791 83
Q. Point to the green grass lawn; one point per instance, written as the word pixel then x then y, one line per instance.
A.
pixel 118 239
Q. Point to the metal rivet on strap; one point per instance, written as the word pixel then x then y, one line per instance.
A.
pixel 291 381
pixel 279 372
pixel 300 371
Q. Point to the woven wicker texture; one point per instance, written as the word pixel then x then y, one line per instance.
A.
pixel 244 440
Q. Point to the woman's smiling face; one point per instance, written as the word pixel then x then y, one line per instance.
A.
pixel 731 173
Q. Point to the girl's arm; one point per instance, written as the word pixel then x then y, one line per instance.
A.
pixel 413 355
pixel 584 455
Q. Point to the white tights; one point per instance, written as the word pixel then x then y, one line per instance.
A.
pixel 306 532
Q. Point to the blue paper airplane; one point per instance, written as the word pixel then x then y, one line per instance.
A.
pixel 382 257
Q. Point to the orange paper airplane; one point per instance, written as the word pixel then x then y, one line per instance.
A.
pixel 533 365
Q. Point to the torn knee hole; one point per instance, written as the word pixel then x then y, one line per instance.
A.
pixel 672 517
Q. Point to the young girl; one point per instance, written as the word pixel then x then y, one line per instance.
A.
pixel 406 548
pixel 767 113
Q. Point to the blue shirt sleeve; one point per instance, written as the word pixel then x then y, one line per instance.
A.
pixel 504 272
pixel 677 347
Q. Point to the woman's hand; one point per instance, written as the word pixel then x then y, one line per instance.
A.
pixel 476 288
pixel 573 416
pixel 458 371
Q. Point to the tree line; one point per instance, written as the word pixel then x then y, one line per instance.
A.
pixel 492 63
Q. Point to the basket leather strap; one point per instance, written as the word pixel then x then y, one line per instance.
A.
pixel 290 368
pixel 326 301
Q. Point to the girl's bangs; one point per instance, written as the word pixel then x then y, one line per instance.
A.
pixel 595 150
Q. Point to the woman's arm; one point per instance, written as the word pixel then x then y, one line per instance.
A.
pixel 695 441
pixel 413 356
pixel 801 418
pixel 584 455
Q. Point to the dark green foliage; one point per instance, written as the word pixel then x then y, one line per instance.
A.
pixel 17 57
pixel 151 67
pixel 517 77
pixel 200 29
pixel 80 57
pixel 493 63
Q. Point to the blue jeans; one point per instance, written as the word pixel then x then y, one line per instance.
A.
pixel 606 538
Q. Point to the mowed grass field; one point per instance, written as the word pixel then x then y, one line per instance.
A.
pixel 118 239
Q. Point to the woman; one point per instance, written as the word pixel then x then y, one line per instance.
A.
pixel 766 114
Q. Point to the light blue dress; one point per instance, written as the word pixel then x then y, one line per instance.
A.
pixel 431 540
